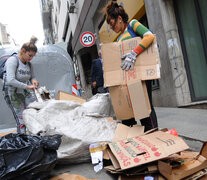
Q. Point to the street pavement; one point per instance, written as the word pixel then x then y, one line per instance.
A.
pixel 190 124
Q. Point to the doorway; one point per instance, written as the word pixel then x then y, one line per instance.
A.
pixel 191 18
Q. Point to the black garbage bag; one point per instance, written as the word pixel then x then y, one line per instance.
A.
pixel 27 157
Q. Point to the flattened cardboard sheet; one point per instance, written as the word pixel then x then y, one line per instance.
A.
pixel 121 102
pixel 147 65
pixel 140 150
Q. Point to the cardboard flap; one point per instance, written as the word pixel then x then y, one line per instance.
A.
pixel 139 99
pixel 124 132
pixel 121 102
pixel 108 54
pixel 110 168
pixel 150 131
pixel 135 130
pixel 164 167
pixel 121 132
pixel 113 159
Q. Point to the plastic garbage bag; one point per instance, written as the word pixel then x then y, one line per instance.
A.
pixel 27 157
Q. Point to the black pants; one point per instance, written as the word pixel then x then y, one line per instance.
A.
pixel 149 122
pixel 100 89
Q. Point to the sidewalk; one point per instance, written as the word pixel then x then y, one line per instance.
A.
pixel 189 123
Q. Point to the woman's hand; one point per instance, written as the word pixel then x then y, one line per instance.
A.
pixel 94 83
pixel 31 87
pixel 129 60
pixel 35 83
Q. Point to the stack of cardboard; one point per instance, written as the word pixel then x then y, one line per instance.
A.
pixel 127 88
pixel 134 154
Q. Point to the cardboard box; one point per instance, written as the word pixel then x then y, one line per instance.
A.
pixel 61 95
pixel 130 100
pixel 147 65
pixel 144 149
pixel 194 162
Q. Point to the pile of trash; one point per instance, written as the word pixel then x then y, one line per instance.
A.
pixel 89 133
pixel 79 124
pixel 156 155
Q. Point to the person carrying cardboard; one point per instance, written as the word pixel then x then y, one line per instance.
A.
pixel 117 18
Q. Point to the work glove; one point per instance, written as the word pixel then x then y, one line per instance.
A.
pixel 129 61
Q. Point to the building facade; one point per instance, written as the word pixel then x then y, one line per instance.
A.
pixel 46 7
pixel 180 28
pixel 4 36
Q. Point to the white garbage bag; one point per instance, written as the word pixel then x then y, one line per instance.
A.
pixel 80 124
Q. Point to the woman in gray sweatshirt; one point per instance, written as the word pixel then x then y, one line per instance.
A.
pixel 20 82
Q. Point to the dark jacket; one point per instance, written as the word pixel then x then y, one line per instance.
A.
pixel 97 72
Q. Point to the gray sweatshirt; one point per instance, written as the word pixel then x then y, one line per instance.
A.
pixel 18 74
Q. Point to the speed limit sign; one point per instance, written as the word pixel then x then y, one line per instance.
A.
pixel 87 39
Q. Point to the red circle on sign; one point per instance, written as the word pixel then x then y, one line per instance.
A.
pixel 87 39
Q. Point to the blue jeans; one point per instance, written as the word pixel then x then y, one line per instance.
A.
pixel 79 92
pixel 17 102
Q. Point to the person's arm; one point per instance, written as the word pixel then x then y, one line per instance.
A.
pixel 147 39
pixel 33 79
pixel 145 33
pixel 11 67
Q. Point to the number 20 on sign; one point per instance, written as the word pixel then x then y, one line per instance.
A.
pixel 87 39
